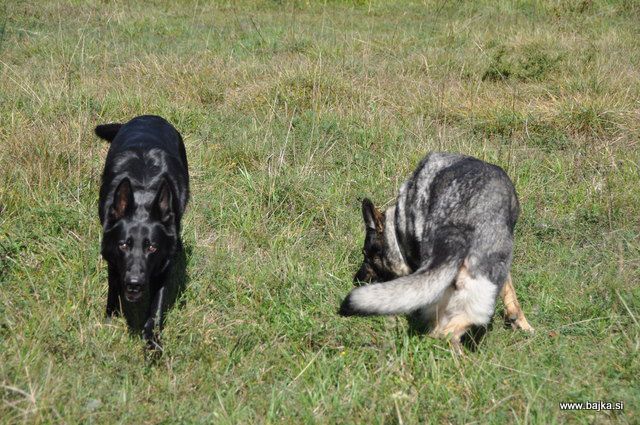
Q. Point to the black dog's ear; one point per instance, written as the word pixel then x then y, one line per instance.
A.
pixel 373 219
pixel 122 200
pixel 108 132
pixel 162 208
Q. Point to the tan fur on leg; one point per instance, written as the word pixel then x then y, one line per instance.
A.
pixel 512 311
pixel 453 320
pixel 455 328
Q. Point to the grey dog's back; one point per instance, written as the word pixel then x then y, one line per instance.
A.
pixel 456 205
pixel 443 253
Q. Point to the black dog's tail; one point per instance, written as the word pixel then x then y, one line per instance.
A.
pixel 108 131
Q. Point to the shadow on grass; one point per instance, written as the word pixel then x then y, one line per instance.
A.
pixel 471 340
pixel 179 279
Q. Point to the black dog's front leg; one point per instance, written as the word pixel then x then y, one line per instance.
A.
pixel 153 325
pixel 113 299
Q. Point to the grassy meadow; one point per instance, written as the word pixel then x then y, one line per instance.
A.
pixel 291 113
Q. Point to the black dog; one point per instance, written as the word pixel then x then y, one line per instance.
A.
pixel 144 192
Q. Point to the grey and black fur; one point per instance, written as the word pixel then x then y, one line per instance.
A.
pixel 443 253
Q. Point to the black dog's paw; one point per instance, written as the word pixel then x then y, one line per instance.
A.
pixel 151 336
pixel 153 351
pixel 346 308
pixel 111 313
pixel 154 345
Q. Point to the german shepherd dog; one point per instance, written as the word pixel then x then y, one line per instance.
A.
pixel 443 253
pixel 144 192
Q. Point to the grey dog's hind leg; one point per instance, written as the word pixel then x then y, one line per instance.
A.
pixel 513 313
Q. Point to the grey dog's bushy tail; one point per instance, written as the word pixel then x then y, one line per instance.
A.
pixel 108 132
pixel 423 287
pixel 402 295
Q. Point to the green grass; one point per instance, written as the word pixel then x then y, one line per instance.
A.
pixel 291 112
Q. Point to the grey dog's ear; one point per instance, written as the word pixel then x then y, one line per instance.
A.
pixel 373 219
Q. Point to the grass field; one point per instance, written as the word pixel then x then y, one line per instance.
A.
pixel 292 112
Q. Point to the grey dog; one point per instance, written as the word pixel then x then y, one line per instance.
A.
pixel 443 253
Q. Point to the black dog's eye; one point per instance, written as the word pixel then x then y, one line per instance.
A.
pixel 123 246
pixel 152 249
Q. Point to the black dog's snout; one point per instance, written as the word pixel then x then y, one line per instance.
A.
pixel 134 284
pixel 133 288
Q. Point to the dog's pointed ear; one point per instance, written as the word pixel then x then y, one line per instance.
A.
pixel 373 219
pixel 162 208
pixel 122 200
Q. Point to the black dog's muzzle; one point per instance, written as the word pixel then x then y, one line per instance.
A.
pixel 133 289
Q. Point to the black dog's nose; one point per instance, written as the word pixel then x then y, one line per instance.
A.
pixel 134 284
